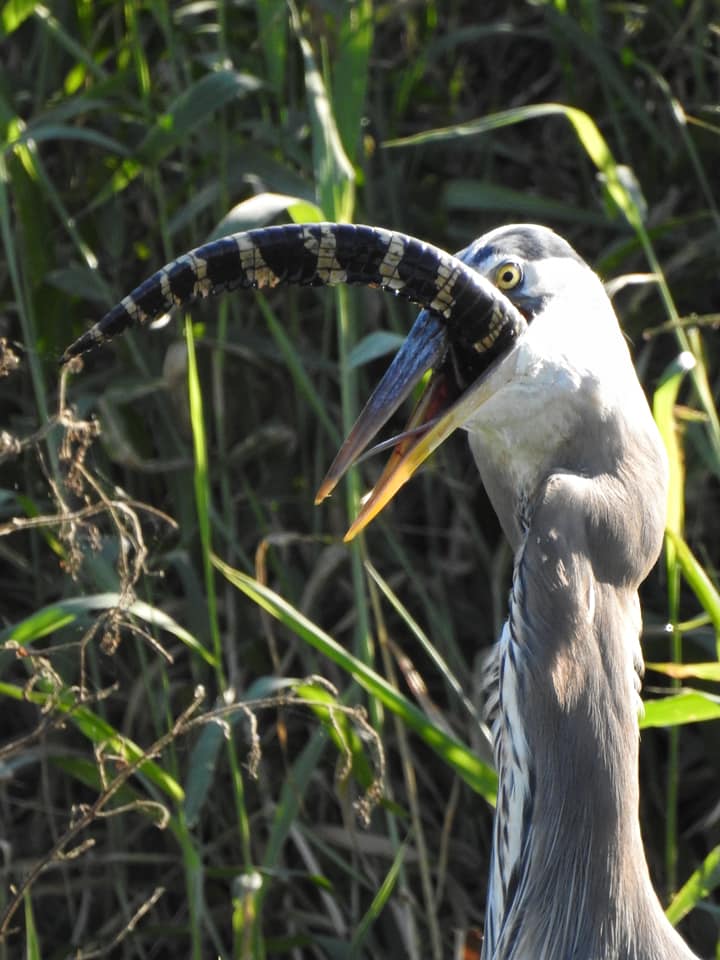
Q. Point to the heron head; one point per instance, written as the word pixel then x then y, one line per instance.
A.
pixel 530 264
pixel 534 268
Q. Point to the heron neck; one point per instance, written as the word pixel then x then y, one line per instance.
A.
pixel 569 875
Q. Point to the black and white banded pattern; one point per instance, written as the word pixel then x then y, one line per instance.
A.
pixel 323 254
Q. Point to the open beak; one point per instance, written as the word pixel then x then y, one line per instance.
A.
pixel 443 407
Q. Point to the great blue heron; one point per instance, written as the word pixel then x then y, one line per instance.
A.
pixel 575 468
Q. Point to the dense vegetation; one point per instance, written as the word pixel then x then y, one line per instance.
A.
pixel 180 773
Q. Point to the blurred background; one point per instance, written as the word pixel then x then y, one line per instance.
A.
pixel 189 765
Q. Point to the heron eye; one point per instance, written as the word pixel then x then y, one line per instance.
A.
pixel 508 275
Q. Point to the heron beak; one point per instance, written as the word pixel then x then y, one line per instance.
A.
pixel 441 409
pixel 423 349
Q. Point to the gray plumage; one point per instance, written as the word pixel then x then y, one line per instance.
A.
pixel 575 468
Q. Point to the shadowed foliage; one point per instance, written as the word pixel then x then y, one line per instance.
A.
pixel 225 733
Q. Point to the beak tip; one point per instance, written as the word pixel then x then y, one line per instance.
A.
pixel 356 527
pixel 324 491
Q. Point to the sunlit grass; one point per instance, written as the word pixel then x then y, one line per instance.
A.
pixel 155 715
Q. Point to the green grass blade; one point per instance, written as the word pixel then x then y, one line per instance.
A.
pixel 32 942
pixel 338 722
pixel 81 610
pixel 698 581
pixel 13 14
pixel 261 209
pixel 423 639
pixel 689 706
pixel 201 483
pixel 378 903
pixel 294 363
pixel 682 671
pixel 482 125
pixel 664 401
pixel 466 196
pixel 475 773
pixel 374 345
pixel 585 127
pixel 697 887
pixel 350 73
pixel 193 109
pixel 287 811
pixel 272 31
pixel 334 174
pixel 59 132
pixel 18 189
pixel 65 39
pixel 201 770
pixel 98 731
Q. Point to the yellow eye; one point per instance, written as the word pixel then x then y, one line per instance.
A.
pixel 508 275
